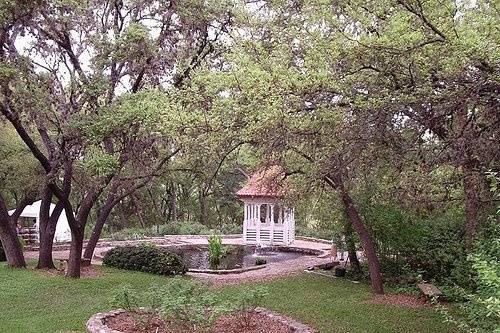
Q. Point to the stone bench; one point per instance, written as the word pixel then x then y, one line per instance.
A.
pixel 429 290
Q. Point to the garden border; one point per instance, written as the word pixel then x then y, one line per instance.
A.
pixel 96 324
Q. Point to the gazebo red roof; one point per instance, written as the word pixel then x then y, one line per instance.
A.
pixel 266 182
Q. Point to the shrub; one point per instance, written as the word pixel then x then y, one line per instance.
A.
pixel 2 253
pixel 248 299
pixel 126 298
pixel 188 301
pixel 147 259
pixel 216 251
pixel 260 261
pixel 174 228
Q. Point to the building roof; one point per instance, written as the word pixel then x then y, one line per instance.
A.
pixel 266 182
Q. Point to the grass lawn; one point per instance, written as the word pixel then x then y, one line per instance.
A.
pixel 32 302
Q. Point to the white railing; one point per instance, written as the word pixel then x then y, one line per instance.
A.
pixel 267 230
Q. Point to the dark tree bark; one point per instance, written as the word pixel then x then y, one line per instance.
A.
pixel 203 206
pixel 96 232
pixel 8 236
pixel 358 224
pixel 351 248
pixel 47 229
pixel 75 254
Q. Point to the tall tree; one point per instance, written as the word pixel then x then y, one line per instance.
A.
pixel 76 60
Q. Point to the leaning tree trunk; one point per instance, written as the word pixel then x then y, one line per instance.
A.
pixel 96 232
pixel 368 245
pixel 364 235
pixel 10 241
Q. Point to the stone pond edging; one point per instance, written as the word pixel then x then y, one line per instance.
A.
pixel 96 323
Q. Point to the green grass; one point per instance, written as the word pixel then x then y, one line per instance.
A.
pixel 32 302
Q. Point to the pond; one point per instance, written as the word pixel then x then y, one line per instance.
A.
pixel 240 256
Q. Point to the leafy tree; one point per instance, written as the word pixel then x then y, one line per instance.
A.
pixel 78 59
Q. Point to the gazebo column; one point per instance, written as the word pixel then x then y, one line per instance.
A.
pixel 258 223
pixel 271 230
pixel 245 221
pixel 286 226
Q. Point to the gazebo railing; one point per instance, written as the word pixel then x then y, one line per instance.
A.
pixel 257 230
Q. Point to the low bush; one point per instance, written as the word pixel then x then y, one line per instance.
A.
pixel 174 228
pixel 180 301
pixel 147 259
pixel 187 302
pixel 216 251
pixel 260 261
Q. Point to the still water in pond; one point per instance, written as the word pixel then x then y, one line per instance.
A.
pixel 238 257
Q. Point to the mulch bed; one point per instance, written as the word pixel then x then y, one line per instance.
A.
pixel 234 323
pixel 399 299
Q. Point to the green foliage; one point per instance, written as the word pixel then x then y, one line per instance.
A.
pixel 20 173
pixel 192 302
pixel 173 228
pixel 248 299
pixel 125 298
pixel 479 309
pixel 22 242
pixel 480 306
pixel 415 246
pixel 179 301
pixel 216 251
pixel 147 259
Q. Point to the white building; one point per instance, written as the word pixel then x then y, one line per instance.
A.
pixel 267 220
pixel 29 224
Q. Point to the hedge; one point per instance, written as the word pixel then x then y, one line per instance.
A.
pixel 148 259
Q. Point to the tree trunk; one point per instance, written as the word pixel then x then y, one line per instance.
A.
pixel 47 230
pixel 472 203
pixel 470 165
pixel 10 241
pixel 203 208
pixel 75 254
pixel 45 259
pixel 364 235
pixel 96 232
pixel 351 248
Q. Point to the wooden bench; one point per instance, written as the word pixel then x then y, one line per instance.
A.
pixel 429 290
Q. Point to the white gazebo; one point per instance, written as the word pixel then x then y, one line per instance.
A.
pixel 29 224
pixel 267 220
